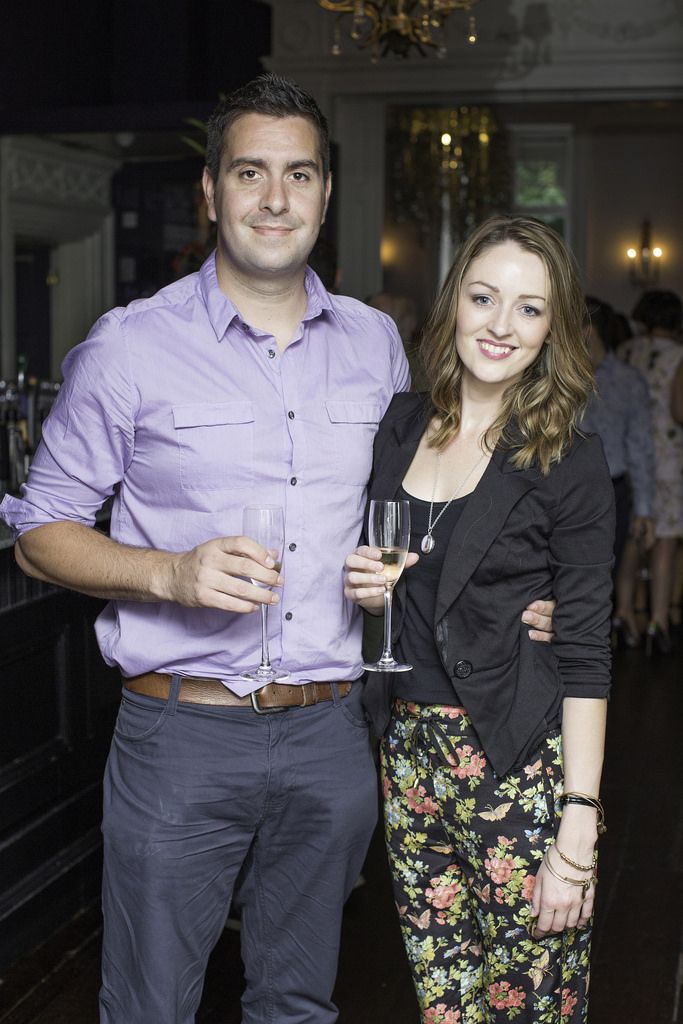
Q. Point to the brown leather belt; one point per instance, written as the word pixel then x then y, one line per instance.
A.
pixel 269 698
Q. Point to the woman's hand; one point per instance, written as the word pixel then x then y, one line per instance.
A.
pixel 643 530
pixel 556 904
pixel 539 615
pixel 364 581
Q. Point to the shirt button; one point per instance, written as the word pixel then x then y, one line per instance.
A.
pixel 271 353
pixel 288 616
pixel 290 414
pixel 293 481
pixel 292 546
pixel 463 669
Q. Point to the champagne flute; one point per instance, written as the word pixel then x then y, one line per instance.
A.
pixel 266 525
pixel 389 530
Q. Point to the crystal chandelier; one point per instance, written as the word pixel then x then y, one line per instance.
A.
pixel 397 26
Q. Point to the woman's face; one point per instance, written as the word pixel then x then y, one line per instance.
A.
pixel 503 315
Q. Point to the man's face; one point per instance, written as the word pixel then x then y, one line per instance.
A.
pixel 270 197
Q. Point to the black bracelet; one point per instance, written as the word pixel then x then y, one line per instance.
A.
pixel 587 801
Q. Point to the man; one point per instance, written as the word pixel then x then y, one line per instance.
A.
pixel 245 383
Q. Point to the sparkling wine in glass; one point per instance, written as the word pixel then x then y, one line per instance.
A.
pixel 266 525
pixel 389 530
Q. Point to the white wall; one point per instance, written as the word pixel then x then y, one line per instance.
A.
pixel 59 196
pixel 627 178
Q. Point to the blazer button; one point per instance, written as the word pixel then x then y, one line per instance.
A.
pixel 463 669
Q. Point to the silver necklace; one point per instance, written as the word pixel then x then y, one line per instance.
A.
pixel 427 544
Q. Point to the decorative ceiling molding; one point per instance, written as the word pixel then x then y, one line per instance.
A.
pixel 586 49
pixel 589 16
pixel 40 171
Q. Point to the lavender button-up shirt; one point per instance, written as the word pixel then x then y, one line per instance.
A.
pixel 185 414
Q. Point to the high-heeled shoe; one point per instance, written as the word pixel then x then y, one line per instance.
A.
pixel 624 635
pixel 657 640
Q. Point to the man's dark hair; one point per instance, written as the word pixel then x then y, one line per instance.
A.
pixel 659 309
pixel 273 96
pixel 602 317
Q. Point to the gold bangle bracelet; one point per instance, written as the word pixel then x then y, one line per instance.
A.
pixel 584 883
pixel 579 867
pixel 572 863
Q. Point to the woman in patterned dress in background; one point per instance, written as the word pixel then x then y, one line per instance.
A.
pixel 658 354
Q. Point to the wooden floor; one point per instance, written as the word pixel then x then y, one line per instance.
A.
pixel 638 951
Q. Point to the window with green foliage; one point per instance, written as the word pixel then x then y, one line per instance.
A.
pixel 542 179
pixel 537 184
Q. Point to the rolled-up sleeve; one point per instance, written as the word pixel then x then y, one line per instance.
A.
pixel 87 439
pixel 581 559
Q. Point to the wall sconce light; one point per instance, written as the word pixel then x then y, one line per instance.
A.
pixel 645 260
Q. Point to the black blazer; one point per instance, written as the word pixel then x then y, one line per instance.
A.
pixel 522 536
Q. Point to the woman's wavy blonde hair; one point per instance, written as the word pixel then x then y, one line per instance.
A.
pixel 541 409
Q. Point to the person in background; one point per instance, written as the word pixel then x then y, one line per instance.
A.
pixel 619 412
pixel 492 747
pixel 658 355
pixel 244 383
pixel 403 312
pixel 623 330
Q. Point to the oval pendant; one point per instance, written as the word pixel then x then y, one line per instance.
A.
pixel 427 544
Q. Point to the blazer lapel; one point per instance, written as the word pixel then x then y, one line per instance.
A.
pixel 487 508
pixel 393 464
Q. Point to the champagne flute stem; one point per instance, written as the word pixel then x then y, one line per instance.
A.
pixel 265 665
pixel 386 652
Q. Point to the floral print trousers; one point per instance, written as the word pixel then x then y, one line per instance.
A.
pixel 464 847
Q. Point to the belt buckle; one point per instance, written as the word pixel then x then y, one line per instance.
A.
pixel 276 710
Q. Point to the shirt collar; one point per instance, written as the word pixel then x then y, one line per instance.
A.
pixel 220 309
pixel 318 296
pixel 222 312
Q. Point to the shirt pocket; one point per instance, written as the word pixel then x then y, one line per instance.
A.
pixel 216 444
pixel 353 426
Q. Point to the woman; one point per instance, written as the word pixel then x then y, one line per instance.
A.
pixel 493 745
pixel 619 412
pixel 658 354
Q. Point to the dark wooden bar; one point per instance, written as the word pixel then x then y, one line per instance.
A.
pixel 57 705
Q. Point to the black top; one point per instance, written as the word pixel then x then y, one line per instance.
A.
pixel 522 536
pixel 428 682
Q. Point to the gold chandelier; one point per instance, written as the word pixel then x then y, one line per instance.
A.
pixel 397 26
